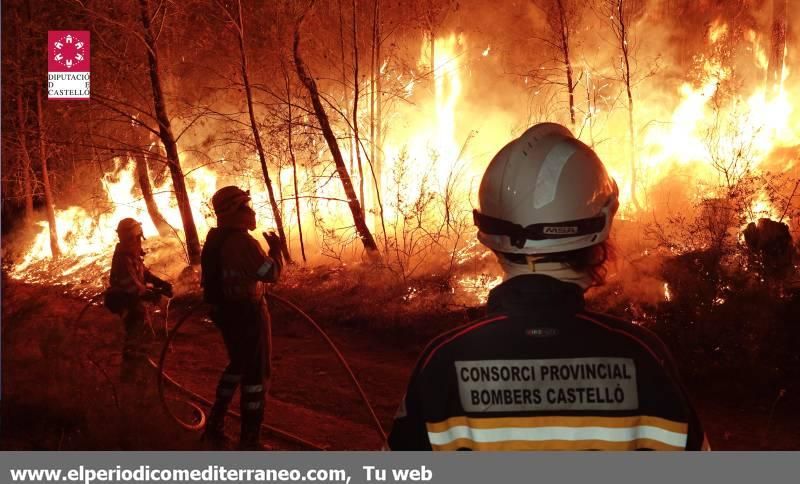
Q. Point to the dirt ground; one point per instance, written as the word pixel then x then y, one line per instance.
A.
pixel 61 390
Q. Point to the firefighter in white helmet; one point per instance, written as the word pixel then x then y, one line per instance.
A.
pixel 541 372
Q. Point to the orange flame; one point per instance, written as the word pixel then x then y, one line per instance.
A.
pixel 426 144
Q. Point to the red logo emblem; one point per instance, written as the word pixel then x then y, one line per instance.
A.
pixel 68 51
pixel 68 66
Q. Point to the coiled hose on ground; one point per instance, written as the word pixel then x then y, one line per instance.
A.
pixel 201 419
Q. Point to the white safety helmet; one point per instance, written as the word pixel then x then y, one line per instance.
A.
pixel 543 193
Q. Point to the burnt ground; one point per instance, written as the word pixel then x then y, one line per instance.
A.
pixel 60 385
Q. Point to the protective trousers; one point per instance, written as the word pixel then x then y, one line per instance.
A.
pixel 246 332
pixel 133 350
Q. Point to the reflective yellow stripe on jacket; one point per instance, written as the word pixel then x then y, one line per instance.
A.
pixel 558 433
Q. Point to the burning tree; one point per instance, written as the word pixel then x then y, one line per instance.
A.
pixel 48 192
pixel 311 85
pixel 167 137
pixel 237 20
pixel 621 14
pixel 778 47
pixel 561 18
pixel 143 177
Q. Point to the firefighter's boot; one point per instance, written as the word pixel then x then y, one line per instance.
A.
pixel 252 416
pixel 214 433
pixel 250 439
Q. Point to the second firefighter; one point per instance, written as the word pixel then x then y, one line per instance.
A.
pixel 234 271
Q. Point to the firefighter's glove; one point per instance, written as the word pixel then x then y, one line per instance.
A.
pixel 151 295
pixel 162 287
pixel 274 243
pixel 166 289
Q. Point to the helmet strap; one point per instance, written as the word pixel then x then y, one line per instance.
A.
pixel 519 235
pixel 557 270
pixel 532 260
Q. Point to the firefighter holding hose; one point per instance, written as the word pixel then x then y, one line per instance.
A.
pixel 131 285
pixel 541 372
pixel 234 271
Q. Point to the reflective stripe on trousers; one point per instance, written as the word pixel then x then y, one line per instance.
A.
pixel 227 386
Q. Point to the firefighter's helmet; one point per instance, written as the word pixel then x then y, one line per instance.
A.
pixel 228 199
pixel 545 192
pixel 129 228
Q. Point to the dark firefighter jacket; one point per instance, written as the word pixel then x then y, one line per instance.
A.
pixel 128 272
pixel 542 373
pixel 236 267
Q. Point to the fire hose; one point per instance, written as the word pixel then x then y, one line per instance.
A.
pixel 201 420
pixel 163 376
pixel 341 358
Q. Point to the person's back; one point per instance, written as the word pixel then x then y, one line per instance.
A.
pixel 127 270
pixel 540 372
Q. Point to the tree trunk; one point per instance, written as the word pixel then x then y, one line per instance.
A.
pixel 48 194
pixel 589 107
pixel 780 10
pixel 290 146
pixel 355 207
pixel 632 147
pixel 276 212
pixel 377 142
pixel 562 18
pixel 345 89
pixel 433 65
pixel 356 94
pixel 27 174
pixel 626 77
pixel 433 55
pixel 143 177
pixel 25 156
pixel 372 81
pixel 22 129
pixel 168 140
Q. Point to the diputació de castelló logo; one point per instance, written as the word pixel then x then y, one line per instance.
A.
pixel 68 64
